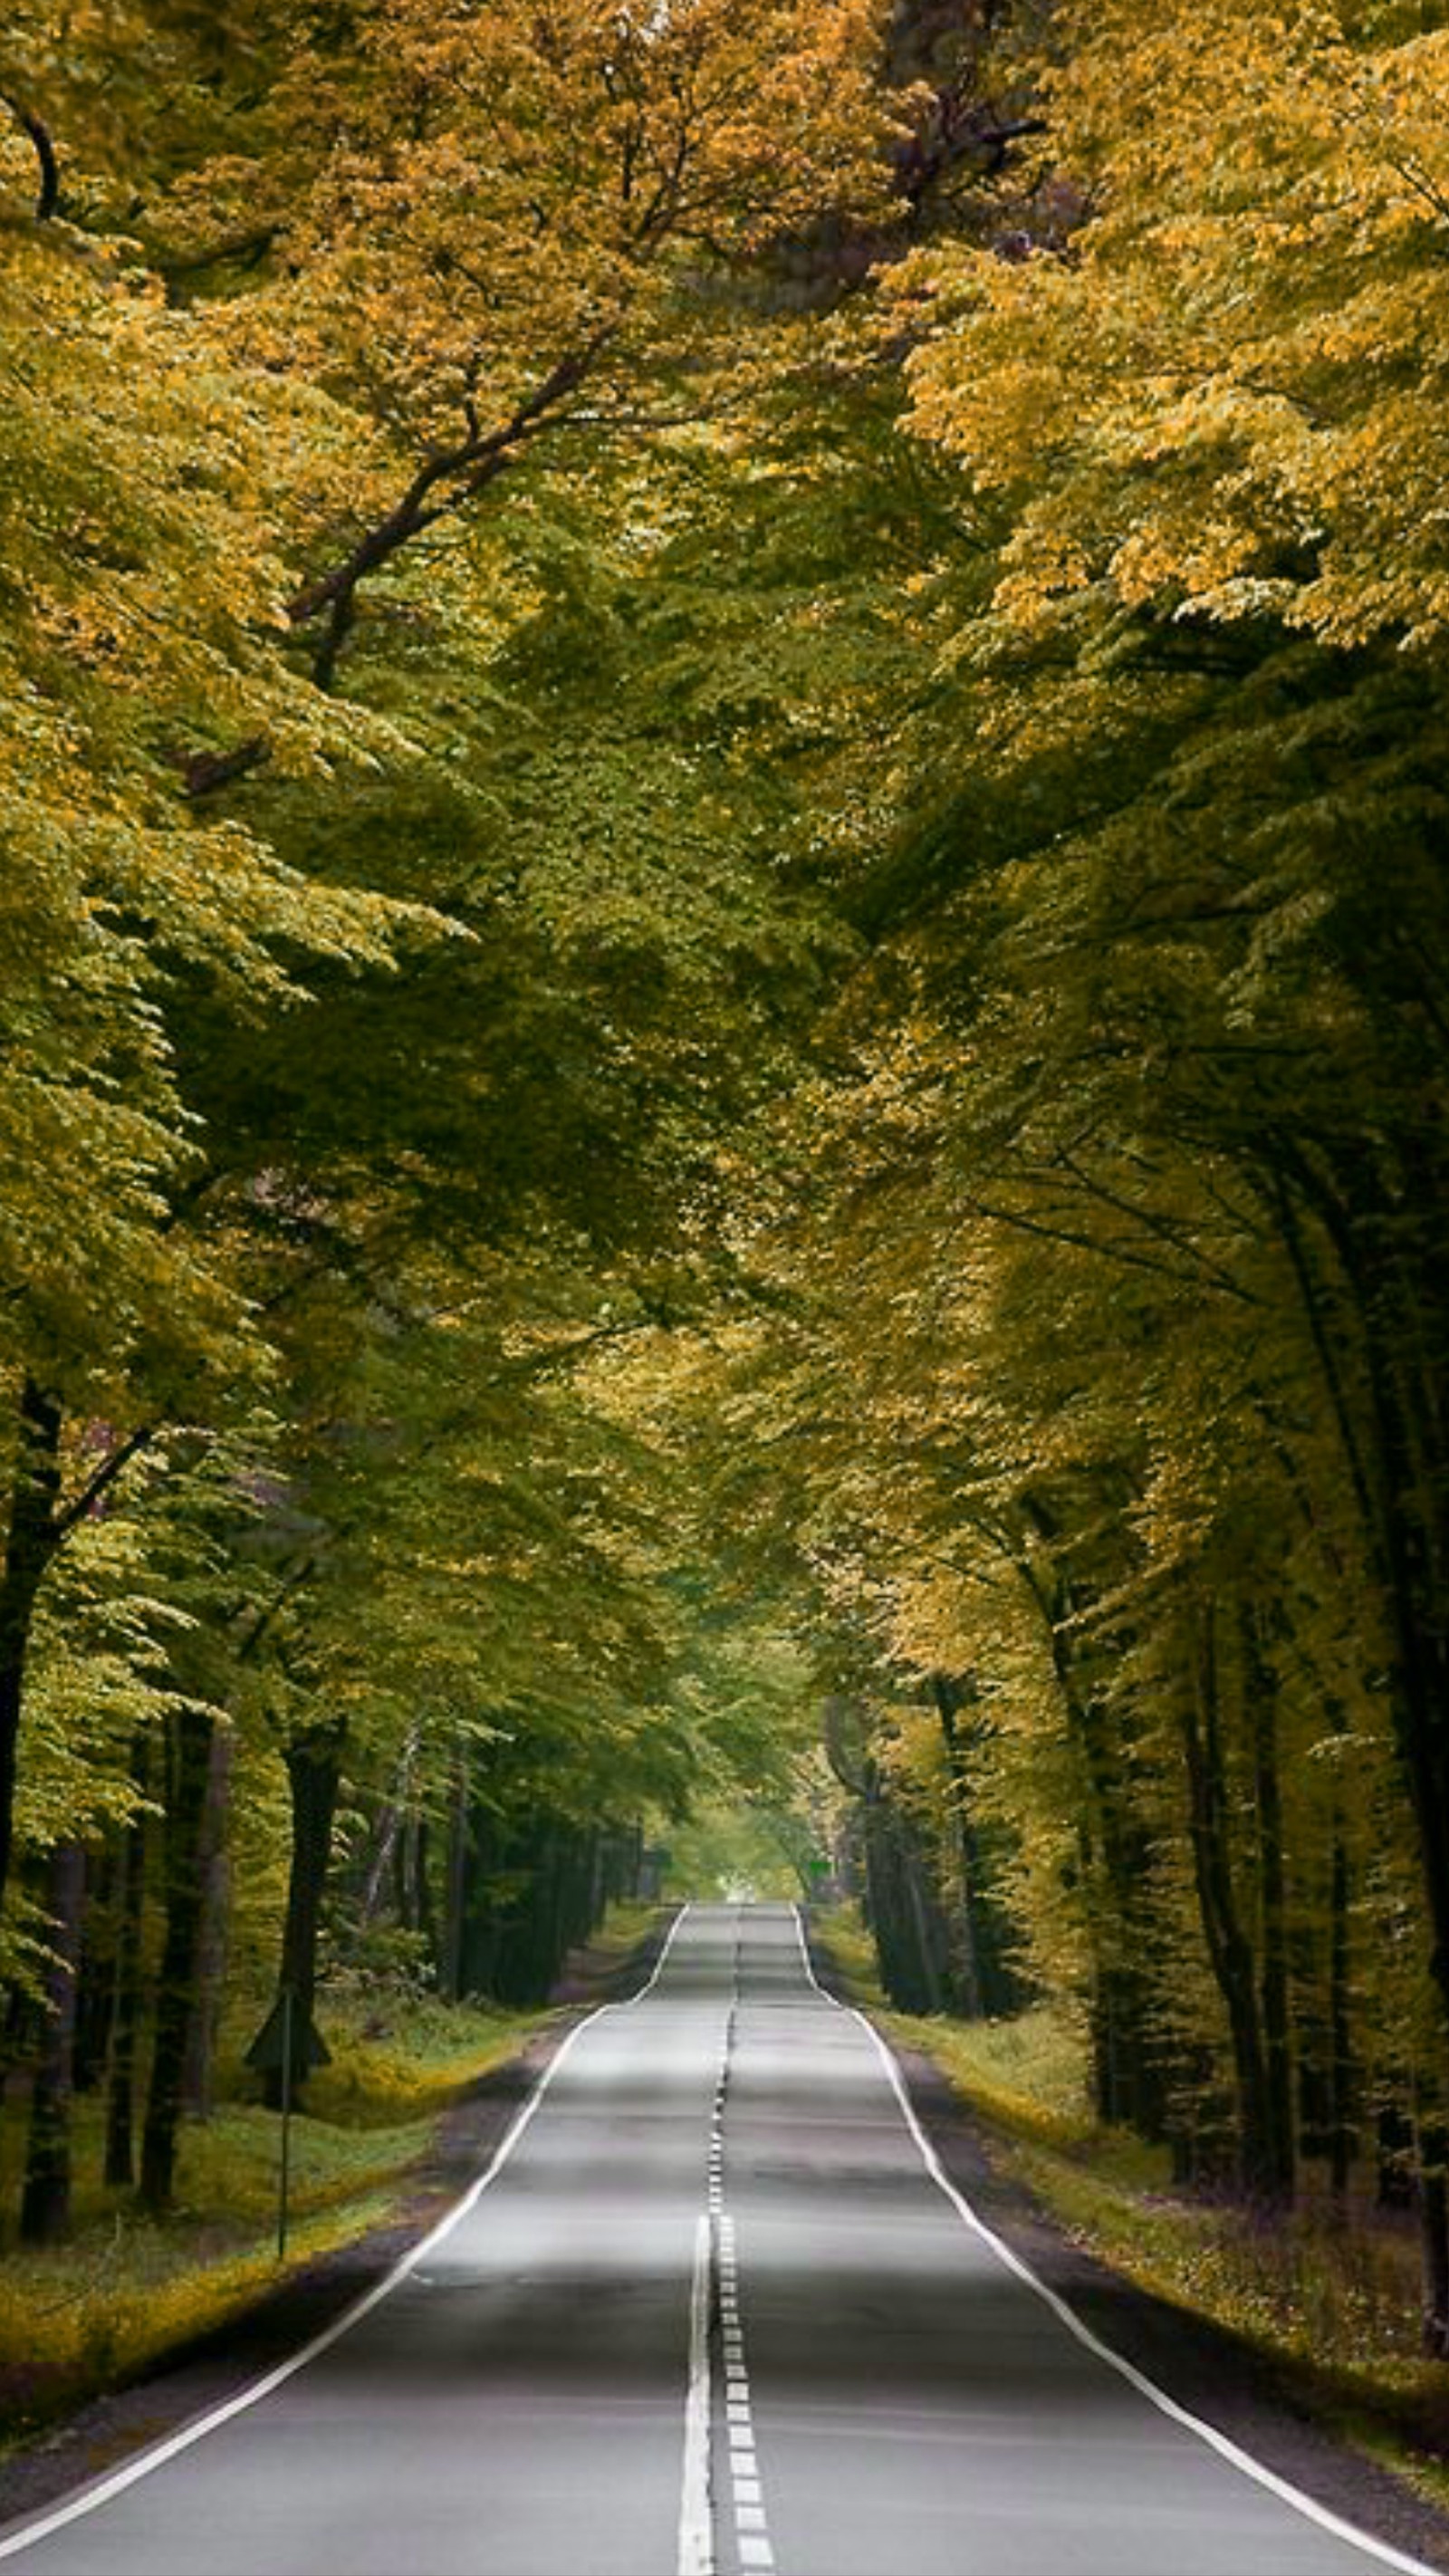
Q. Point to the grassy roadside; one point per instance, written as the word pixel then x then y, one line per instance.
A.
pixel 1331 2310
pixel 80 2318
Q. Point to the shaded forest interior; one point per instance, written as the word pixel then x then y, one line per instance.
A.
pixel 726 1083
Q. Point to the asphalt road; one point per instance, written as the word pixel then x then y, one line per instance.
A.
pixel 712 2312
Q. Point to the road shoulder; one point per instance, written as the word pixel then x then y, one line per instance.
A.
pixel 1204 2368
pixel 192 2380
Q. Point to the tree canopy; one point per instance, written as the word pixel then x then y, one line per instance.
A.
pixel 725 1035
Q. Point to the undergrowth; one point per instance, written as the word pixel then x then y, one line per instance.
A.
pixel 1328 2300
pixel 77 2318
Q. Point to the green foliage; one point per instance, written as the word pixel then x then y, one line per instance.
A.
pixel 124 2291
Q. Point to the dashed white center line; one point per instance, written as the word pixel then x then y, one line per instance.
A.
pixel 696 2528
pixel 716 2260
pixel 752 2536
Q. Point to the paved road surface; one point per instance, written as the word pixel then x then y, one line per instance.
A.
pixel 712 2314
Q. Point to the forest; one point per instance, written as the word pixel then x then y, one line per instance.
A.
pixel 725 1078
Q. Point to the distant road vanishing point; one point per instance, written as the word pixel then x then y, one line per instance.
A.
pixel 713 2308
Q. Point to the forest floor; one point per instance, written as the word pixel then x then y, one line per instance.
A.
pixel 1297 2336
pixel 132 2326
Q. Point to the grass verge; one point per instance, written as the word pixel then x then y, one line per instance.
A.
pixel 83 2317
pixel 1327 2302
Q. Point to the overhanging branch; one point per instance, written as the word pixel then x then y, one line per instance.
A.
pixel 47 202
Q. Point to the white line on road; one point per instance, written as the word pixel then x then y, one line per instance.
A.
pixel 27 2534
pixel 753 2546
pixel 696 2533
pixel 1226 2449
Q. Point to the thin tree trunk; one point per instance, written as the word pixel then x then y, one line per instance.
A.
pixel 427 1912
pixel 947 1696
pixel 1434 2235
pixel 1341 2087
pixel 314 1772
pixel 391 1824
pixel 1229 1951
pixel 45 2202
pixel 215 1916
pixel 455 1892
pixel 1260 1687
pixel 32 1540
pixel 120 2167
pixel 95 1985
pixel 189 1734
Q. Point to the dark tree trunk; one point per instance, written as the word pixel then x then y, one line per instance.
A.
pixel 32 1541
pixel 405 1874
pixel 1342 2105
pixel 45 2202
pixel 455 1890
pixel 1129 2077
pixel 95 1993
pixel 987 1985
pixel 120 2167
pixel 426 1910
pixel 1229 1951
pixel 1260 1687
pixel 1396 2151
pixel 485 1909
pixel 910 1939
pixel 188 1768
pixel 215 1919
pixel 1396 1455
pixel 391 1826
pixel 1434 2235
pixel 314 1773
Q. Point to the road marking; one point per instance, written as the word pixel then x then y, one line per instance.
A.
pixel 696 2533
pixel 92 2498
pixel 1225 2448
pixel 752 2539
pixel 660 1964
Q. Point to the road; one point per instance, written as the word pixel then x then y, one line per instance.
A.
pixel 711 2312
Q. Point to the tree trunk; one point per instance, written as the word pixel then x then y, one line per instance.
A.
pixel 314 1772
pixel 986 1984
pixel 391 1824
pixel 45 2203
pixel 1434 2235
pixel 1229 1951
pixel 188 1766
pixel 1356 1209
pixel 427 1912
pixel 31 1543
pixel 1260 1688
pixel 120 2167
pixel 215 1919
pixel 95 1985
pixel 1341 2086
pixel 1129 2056
pixel 455 1888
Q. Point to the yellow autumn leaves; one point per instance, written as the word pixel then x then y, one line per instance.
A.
pixel 1223 397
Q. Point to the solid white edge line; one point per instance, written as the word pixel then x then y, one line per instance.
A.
pixel 27 2535
pixel 1225 2447
pixel 630 2001
pixel 696 2527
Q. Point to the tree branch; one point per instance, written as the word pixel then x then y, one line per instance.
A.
pixel 47 203
pixel 205 771
pixel 233 250
pixel 105 1476
pixel 450 478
